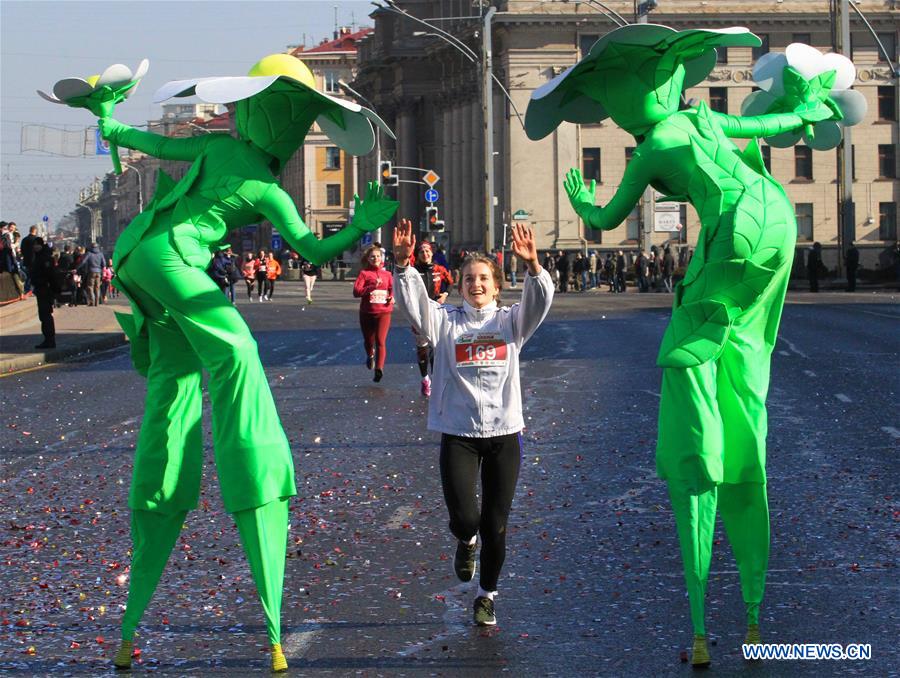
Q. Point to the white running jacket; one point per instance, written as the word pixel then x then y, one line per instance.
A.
pixel 475 390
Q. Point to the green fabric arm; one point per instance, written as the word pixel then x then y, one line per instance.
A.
pixel 152 144
pixel 635 180
pixel 758 126
pixel 276 206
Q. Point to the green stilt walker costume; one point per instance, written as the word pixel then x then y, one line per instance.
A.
pixel 716 350
pixel 182 324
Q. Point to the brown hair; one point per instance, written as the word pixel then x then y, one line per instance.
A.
pixel 478 258
pixel 364 259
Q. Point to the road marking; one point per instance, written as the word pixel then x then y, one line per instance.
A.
pixel 402 516
pixel 843 398
pixel 295 643
pixel 891 431
pixel 794 348
pixel 809 373
pixel 457 604
pixel 787 353
pixel 881 315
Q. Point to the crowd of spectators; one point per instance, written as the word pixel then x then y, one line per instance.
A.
pixel 75 275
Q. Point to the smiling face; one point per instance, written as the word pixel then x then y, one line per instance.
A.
pixel 425 253
pixel 375 259
pixel 479 283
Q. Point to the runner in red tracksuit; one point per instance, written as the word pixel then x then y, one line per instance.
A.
pixel 375 287
pixel 438 282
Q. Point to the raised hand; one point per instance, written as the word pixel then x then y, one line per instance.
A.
pixel 376 209
pixel 524 247
pixel 581 198
pixel 404 242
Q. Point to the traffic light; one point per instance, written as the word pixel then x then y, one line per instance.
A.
pixel 431 218
pixel 386 170
pixel 438 225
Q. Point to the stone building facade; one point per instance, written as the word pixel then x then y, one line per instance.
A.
pixel 429 92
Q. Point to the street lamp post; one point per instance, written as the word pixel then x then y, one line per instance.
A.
pixel 347 88
pixel 487 76
pixel 125 167
pixel 487 109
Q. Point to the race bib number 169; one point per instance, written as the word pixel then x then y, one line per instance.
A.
pixel 480 350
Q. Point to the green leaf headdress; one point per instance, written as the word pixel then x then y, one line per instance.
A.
pixel 634 74
pixel 277 102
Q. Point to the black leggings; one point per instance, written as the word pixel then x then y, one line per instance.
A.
pixel 498 459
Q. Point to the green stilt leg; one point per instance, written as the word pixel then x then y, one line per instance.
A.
pixel 695 518
pixel 154 536
pixel 745 511
pixel 263 533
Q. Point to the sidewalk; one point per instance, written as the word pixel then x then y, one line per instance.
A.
pixel 79 330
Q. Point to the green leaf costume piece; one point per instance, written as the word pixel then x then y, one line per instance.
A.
pixel 716 350
pixel 182 325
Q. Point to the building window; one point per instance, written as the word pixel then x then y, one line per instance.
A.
pixel 633 225
pixel 629 151
pixel 889 40
pixel 805 38
pixel 867 43
pixel 590 164
pixel 804 212
pixel 718 99
pixel 766 152
pixel 763 48
pixel 721 55
pixel 887 107
pixel 332 195
pixel 803 163
pixel 585 42
pixel 331 82
pixel 887 161
pixel 887 221
pixel 332 157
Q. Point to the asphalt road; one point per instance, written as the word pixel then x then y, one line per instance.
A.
pixel 592 583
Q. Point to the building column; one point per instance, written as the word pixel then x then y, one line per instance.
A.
pixel 458 146
pixel 476 158
pixel 406 157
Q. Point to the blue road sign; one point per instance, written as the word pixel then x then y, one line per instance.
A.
pixel 277 242
pixel 431 195
pixel 366 240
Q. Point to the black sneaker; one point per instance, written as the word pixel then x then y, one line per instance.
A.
pixel 464 562
pixel 370 362
pixel 378 375
pixel 484 612
pixel 46 344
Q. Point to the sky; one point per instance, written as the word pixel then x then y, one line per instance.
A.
pixel 42 42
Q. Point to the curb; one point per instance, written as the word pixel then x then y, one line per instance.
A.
pixel 11 365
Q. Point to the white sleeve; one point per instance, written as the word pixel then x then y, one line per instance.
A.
pixel 529 313
pixel 425 315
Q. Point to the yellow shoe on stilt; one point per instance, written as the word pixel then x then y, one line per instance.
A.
pixel 122 660
pixel 279 662
pixel 753 637
pixel 700 655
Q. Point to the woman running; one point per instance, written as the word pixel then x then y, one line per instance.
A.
pixel 261 271
pixel 376 289
pixel 478 404
pixel 248 270
pixel 310 274
pixel 273 270
pixel 438 282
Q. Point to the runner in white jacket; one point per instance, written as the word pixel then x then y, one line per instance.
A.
pixel 476 401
